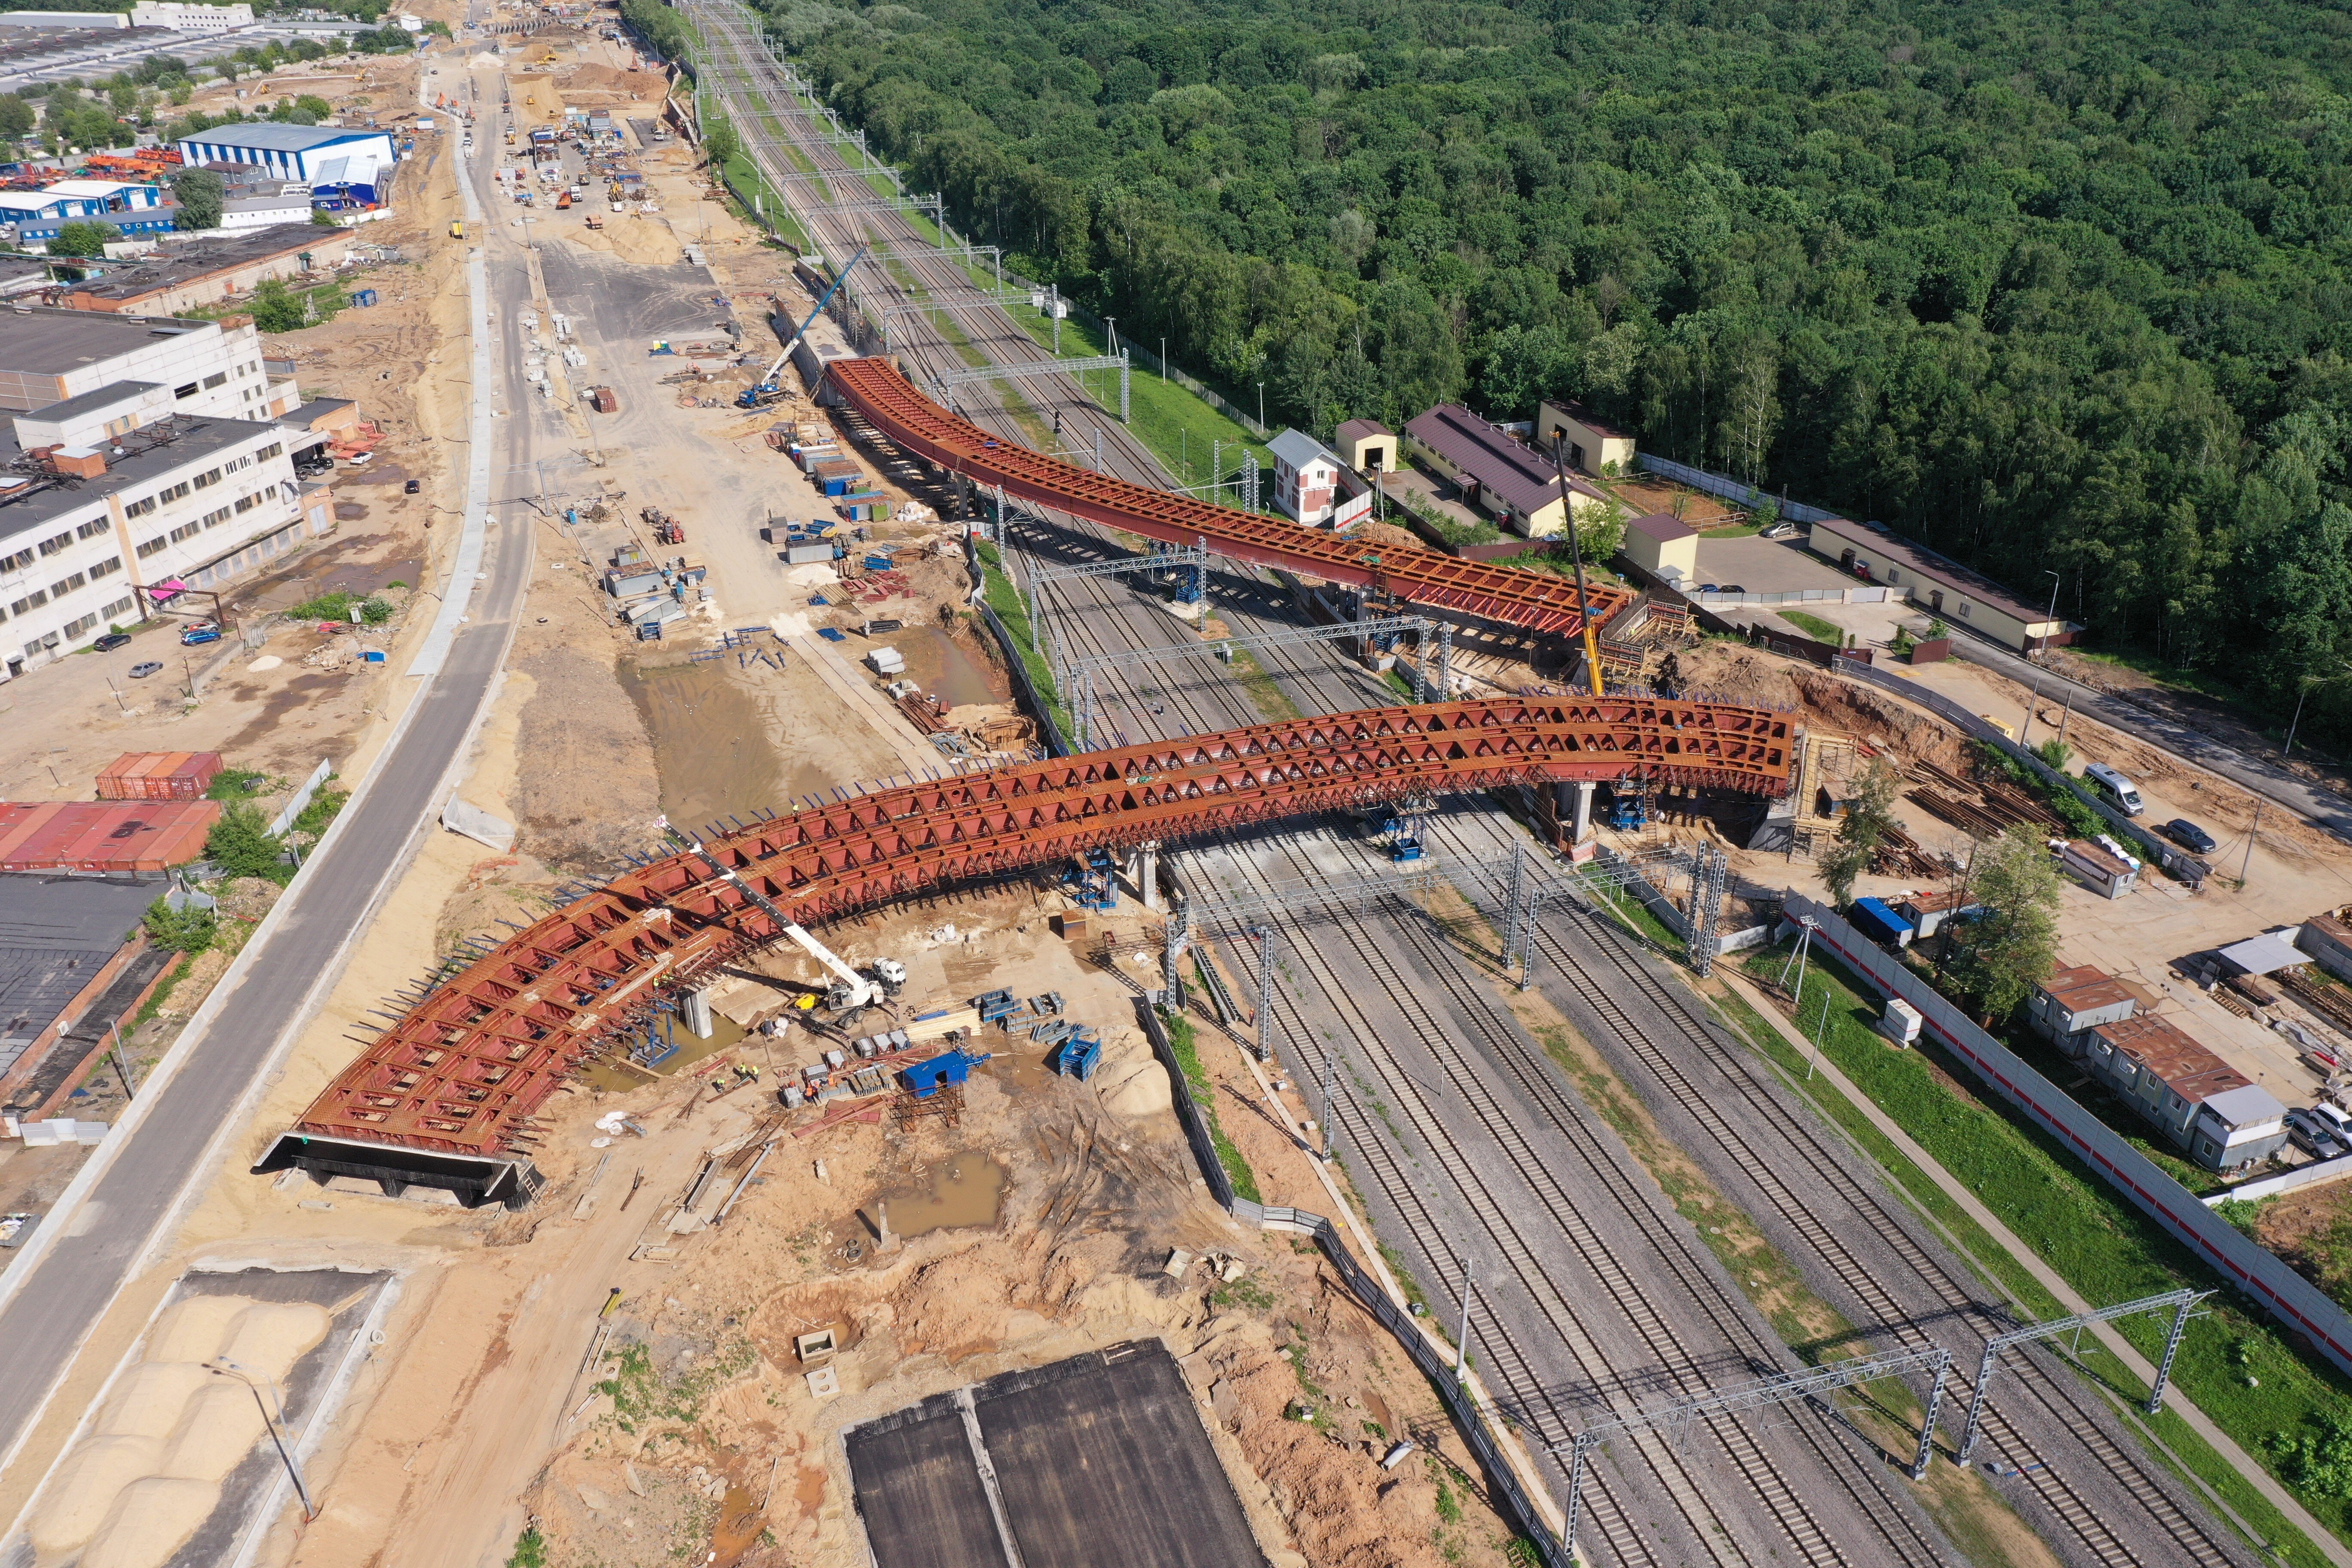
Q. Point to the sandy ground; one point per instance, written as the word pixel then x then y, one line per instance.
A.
pixel 690 1422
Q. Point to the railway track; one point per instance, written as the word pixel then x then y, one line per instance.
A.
pixel 1175 705
pixel 798 157
pixel 1315 680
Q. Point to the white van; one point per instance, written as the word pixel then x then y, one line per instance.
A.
pixel 2114 788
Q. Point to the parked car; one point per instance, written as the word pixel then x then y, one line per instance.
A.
pixel 1733 588
pixel 2188 835
pixel 2336 1117
pixel 144 668
pixel 198 634
pixel 1779 530
pixel 1710 587
pixel 2313 1135
pixel 411 487
pixel 111 641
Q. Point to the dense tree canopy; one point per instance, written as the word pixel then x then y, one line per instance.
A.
pixel 2044 286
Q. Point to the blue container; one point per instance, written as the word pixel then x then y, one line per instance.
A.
pixel 1078 1055
pixel 923 1078
pixel 363 297
pixel 1880 924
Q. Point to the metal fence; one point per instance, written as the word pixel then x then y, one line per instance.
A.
pixel 1729 490
pixel 2272 1285
pixel 1369 1292
pixel 1859 595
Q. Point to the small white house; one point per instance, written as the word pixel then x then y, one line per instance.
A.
pixel 1306 476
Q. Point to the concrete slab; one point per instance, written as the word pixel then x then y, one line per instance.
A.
pixel 1766 565
pixel 472 822
pixel 1100 1448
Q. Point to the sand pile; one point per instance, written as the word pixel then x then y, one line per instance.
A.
pixel 133 1491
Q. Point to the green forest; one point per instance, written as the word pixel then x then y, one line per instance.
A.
pixel 2052 287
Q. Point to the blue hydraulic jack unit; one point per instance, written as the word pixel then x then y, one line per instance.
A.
pixel 1089 885
pixel 1629 809
pixel 1079 1053
pixel 1407 827
pixel 660 1042
pixel 1192 578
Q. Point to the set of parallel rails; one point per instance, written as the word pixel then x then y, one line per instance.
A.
pixel 1318 671
pixel 770 118
pixel 1183 704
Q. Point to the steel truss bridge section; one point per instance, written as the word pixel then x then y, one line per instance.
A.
pixel 947 381
pixel 1679 1417
pixel 1535 601
pixel 450 1095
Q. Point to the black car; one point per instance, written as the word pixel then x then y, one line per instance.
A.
pixel 411 487
pixel 2188 835
pixel 111 641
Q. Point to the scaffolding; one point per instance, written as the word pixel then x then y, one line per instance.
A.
pixel 1788 1387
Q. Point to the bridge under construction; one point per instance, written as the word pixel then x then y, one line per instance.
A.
pixel 450 1094
pixel 1512 595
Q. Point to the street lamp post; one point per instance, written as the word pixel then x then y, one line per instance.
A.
pixel 226 1368
pixel 1261 409
pixel 2034 700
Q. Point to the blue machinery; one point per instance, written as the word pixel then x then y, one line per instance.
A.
pixel 1189 564
pixel 1089 884
pixel 1407 826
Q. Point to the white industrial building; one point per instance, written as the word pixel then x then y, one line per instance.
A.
pixel 327 158
pixel 190 18
pixel 143 457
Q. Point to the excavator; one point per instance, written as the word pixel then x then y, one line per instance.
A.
pixel 771 389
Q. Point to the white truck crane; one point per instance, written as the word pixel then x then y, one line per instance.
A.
pixel 850 992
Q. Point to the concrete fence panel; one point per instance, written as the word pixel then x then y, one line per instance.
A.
pixel 2287 1296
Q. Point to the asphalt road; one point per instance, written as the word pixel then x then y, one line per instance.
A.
pixel 2265 775
pixel 44 1319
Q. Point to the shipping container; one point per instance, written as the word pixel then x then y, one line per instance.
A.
pixel 104 836
pixel 629 585
pixel 808 554
pixel 602 399
pixel 159 775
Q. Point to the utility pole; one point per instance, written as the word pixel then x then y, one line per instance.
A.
pixel 1462 1339
pixel 2034 700
pixel 2249 862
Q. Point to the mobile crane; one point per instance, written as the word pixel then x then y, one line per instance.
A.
pixel 850 992
pixel 770 388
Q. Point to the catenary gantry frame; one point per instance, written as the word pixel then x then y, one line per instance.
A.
pixel 449 1096
pixel 1534 601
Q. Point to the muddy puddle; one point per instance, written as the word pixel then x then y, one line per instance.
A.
pixel 712 745
pixel 960 1189
pixel 939 665
pixel 607 1074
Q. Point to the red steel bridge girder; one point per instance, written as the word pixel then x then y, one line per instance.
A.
pixel 1536 601
pixel 464 1070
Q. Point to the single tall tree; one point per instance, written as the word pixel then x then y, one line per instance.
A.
pixel 201 194
pixel 2013 946
pixel 1870 813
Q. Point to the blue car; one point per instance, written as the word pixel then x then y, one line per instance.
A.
pixel 201 633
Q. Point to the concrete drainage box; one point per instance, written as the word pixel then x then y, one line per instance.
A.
pixel 181 1457
pixel 1099 1458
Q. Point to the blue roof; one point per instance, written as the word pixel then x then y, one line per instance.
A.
pixel 267 136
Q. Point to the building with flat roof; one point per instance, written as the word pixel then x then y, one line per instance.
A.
pixel 190 18
pixel 195 274
pixel 63 20
pixel 48 355
pixel 1497 472
pixel 128 475
pixel 2067 1006
pixel 1956 593
pixel 2220 1117
pixel 348 160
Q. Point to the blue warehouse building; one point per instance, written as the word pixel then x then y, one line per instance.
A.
pixel 333 160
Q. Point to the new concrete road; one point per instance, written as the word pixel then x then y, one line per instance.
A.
pixel 95 1250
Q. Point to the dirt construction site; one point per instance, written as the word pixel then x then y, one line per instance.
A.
pixel 773 1303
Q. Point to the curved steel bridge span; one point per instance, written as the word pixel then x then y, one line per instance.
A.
pixel 448 1096
pixel 1536 601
